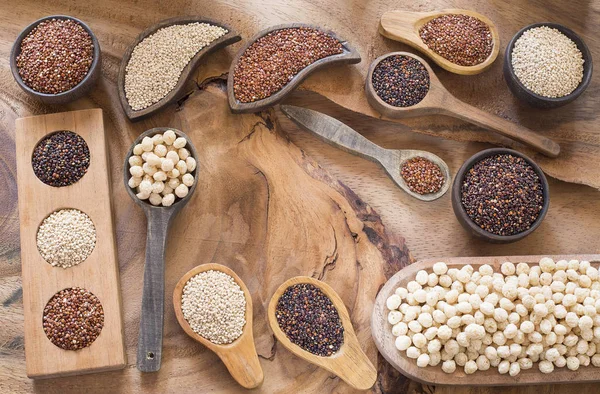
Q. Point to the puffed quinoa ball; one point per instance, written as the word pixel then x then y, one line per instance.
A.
pixel 449 366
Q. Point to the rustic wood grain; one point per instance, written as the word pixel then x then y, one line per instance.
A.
pixel 99 273
pixel 239 356
pixel 440 101
pixel 572 224
pixel 404 26
pixel 350 363
pixel 268 212
pixel 385 341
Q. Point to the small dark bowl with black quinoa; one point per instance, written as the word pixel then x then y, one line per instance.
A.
pixel 506 208
pixel 72 93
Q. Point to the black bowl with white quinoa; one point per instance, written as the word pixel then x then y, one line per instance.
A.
pixel 74 92
pixel 521 91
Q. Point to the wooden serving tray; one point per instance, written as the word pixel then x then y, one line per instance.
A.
pixel 99 273
pixel 384 340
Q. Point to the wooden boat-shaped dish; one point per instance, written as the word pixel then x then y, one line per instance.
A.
pixel 349 55
pixel 229 38
pixel 385 341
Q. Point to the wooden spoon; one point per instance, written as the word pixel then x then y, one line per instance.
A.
pixel 350 363
pixel 439 101
pixel 159 219
pixel 347 139
pixel 239 356
pixel 404 26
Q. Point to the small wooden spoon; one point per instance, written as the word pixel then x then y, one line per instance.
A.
pixel 239 356
pixel 404 26
pixel 159 218
pixel 350 363
pixel 347 139
pixel 439 101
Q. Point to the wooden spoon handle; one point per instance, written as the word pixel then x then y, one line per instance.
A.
pixel 400 26
pixel 474 115
pixel 149 351
pixel 242 363
pixel 336 133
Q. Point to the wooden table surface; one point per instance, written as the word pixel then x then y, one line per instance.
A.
pixel 430 229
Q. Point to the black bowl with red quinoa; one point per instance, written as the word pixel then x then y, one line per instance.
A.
pixel 56 59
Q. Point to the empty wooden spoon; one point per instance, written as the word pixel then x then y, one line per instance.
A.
pixel 350 363
pixel 439 101
pixel 404 26
pixel 239 356
pixel 342 136
pixel 159 218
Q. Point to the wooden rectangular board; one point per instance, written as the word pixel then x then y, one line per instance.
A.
pixel 99 273
pixel 385 341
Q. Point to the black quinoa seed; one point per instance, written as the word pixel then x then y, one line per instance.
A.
pixel 401 81
pixel 61 159
pixel 502 194
pixel 310 320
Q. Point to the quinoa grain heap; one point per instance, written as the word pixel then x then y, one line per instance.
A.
pixel 310 320
pixel 66 238
pixel 422 176
pixel 214 305
pixel 157 61
pixel 547 62
pixel 55 56
pixel 61 159
pixel 401 81
pixel 502 194
pixel 273 60
pixel 161 169
pixel 545 313
pixel 73 318
pixel 460 39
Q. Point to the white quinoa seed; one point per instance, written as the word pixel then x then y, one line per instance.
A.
pixel 157 61
pixel 547 62
pixel 214 305
pixel 66 238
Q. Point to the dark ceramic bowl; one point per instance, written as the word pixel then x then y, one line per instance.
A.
pixel 80 89
pixel 466 221
pixel 533 99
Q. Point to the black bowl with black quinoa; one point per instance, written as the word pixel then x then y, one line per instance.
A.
pixel 500 195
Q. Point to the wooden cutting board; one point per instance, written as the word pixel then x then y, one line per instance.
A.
pixel 385 341
pixel 99 273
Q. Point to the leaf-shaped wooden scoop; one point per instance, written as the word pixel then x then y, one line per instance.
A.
pixel 440 101
pixel 149 352
pixel 342 136
pixel 404 26
pixel 350 363
pixel 239 356
pixel 349 55
pixel 229 38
